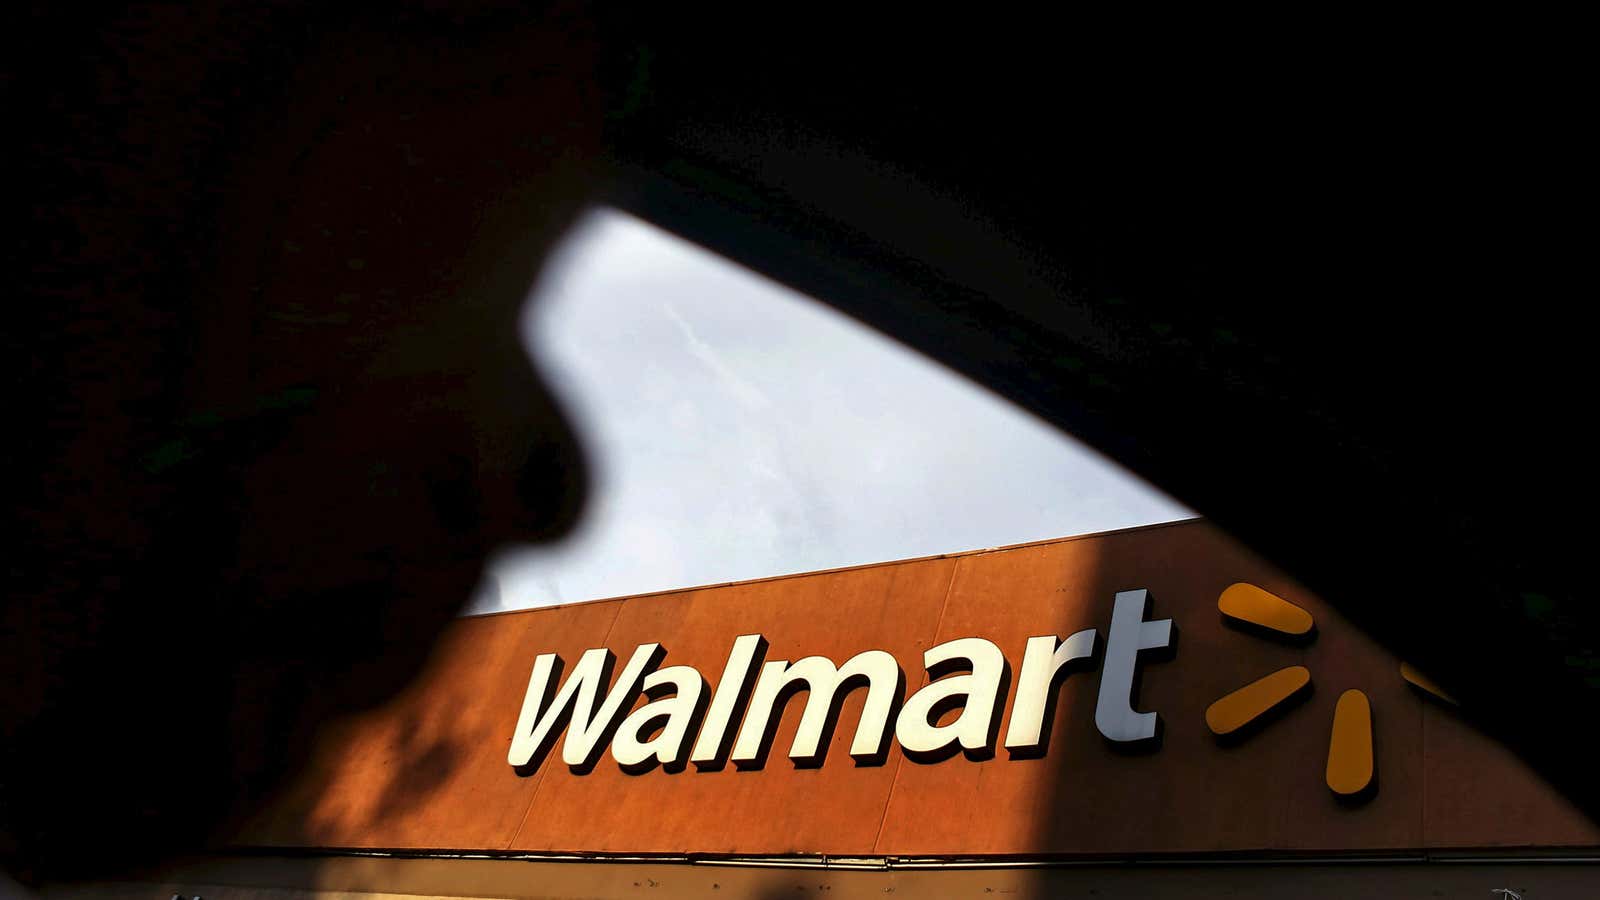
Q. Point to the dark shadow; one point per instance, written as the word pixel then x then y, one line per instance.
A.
pixel 1361 797
pixel 180 158
pixel 229 530
pixel 1141 332
pixel 421 769
pixel 1430 697
pixel 736 717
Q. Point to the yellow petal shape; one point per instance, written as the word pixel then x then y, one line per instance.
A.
pixel 1241 707
pixel 1248 603
pixel 1350 749
pixel 1423 682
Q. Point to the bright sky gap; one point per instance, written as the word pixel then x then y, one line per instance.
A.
pixel 738 429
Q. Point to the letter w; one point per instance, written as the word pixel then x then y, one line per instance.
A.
pixel 543 718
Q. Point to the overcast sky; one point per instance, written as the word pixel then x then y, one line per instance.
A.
pixel 739 429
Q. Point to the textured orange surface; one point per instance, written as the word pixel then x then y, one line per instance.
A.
pixel 429 770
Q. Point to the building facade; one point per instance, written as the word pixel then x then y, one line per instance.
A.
pixel 1151 712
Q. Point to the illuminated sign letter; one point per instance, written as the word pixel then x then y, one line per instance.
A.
pixel 1130 633
pixel 1043 663
pixel 543 717
pixel 818 675
pixel 733 688
pixel 980 691
pixel 675 694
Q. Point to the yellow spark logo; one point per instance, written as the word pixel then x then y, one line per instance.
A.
pixel 1351 771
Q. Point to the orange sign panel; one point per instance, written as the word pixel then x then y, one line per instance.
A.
pixel 1157 690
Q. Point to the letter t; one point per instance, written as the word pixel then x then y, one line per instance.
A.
pixel 1130 633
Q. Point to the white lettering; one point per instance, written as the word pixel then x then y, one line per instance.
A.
pixel 822 682
pixel 716 737
pixel 540 722
pixel 968 674
pixel 1130 633
pixel 979 692
pixel 1036 686
pixel 679 689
